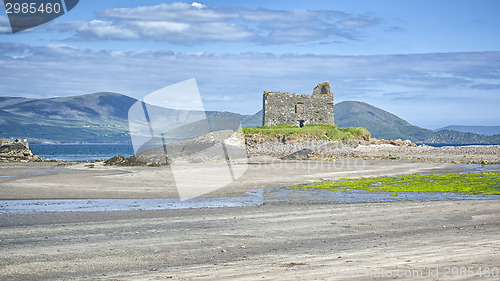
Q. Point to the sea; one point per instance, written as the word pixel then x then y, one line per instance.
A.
pixel 81 151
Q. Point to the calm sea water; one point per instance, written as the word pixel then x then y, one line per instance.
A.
pixel 82 152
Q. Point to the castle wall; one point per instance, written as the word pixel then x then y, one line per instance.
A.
pixel 299 110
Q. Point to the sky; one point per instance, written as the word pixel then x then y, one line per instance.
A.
pixel 433 63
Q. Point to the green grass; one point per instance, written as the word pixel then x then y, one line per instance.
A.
pixel 322 132
pixel 480 183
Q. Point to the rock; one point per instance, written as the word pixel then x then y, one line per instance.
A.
pixel 117 161
pixel 141 160
pixel 299 155
pixel 206 148
pixel 397 142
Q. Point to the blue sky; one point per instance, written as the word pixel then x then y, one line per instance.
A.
pixel 433 63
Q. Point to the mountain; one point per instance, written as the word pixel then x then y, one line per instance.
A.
pixel 385 125
pixel 380 123
pixel 90 107
pixel 6 101
pixel 103 117
pixel 253 120
pixel 482 130
pixel 99 117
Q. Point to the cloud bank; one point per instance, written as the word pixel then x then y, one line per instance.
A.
pixel 188 23
pixel 442 85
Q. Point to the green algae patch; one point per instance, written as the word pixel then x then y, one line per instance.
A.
pixel 476 183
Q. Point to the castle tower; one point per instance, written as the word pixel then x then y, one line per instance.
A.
pixel 299 110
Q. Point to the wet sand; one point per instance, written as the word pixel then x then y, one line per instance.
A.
pixel 285 242
pixel 49 181
pixel 276 241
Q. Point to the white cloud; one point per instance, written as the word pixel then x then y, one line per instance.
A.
pixel 188 23
pixel 198 5
pixel 106 30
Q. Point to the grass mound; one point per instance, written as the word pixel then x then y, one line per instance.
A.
pixel 480 183
pixel 321 132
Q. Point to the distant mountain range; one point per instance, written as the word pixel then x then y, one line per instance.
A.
pixel 102 117
pixel 99 117
pixel 482 130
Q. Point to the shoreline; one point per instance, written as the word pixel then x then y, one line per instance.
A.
pixel 331 150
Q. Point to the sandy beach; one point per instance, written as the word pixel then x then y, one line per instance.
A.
pixel 289 240
pixel 52 181
pixel 423 240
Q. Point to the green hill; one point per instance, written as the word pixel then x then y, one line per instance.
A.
pixel 100 117
pixel 385 125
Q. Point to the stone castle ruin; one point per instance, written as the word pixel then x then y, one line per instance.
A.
pixel 7 142
pixel 299 110
pixel 16 151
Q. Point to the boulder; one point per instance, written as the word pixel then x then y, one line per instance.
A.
pixel 134 160
pixel 302 154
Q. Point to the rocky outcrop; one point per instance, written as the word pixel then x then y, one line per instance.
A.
pixel 253 139
pixel 17 151
pixel 133 161
pixel 398 142
pixel 206 148
pixel 300 147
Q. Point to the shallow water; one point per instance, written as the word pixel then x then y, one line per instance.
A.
pixel 478 168
pixel 316 196
pixel 279 196
pixel 62 205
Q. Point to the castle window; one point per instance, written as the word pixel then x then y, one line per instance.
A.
pixel 299 108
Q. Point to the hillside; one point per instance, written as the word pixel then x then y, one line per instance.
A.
pixel 88 108
pixel 384 125
pixel 380 123
pixel 6 101
pixel 252 120
pixel 100 117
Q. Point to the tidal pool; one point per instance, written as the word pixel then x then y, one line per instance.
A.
pixel 278 195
